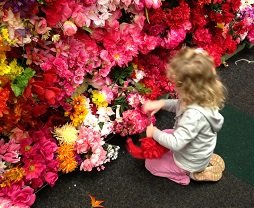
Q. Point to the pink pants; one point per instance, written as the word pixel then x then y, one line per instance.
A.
pixel 166 167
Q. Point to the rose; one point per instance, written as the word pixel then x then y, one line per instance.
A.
pixel 51 178
pixel 23 196
pixel 69 28
pixel 41 26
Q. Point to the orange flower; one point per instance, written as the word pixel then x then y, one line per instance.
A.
pixel 79 110
pixel 95 203
pixel 12 175
pixel 66 158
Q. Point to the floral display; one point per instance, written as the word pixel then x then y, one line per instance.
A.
pixel 75 73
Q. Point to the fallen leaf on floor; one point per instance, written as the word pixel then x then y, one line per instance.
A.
pixel 95 203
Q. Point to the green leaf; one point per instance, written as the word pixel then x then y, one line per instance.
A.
pixel 142 89
pixel 100 124
pixel 19 84
pixel 119 75
pixel 122 102
pixel 17 91
pixel 87 29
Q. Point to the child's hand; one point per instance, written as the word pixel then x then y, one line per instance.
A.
pixel 152 107
pixel 150 130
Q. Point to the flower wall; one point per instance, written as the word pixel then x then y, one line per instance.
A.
pixel 74 74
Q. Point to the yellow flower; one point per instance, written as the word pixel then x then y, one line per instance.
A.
pixel 15 69
pixel 6 37
pixel 55 38
pixel 99 99
pixel 12 175
pixel 79 101
pixel 79 110
pixel 11 70
pixel 220 25
pixel 66 134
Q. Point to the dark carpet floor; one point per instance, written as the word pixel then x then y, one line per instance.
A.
pixel 126 184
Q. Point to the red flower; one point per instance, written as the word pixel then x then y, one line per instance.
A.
pixel 58 11
pixel 45 89
pixel 148 149
pixel 178 16
pixel 4 96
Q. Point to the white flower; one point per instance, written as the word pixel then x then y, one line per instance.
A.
pixel 2 166
pixel 246 3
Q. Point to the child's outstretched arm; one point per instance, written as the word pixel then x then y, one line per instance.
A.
pixel 153 106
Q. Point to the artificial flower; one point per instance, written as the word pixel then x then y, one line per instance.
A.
pixel 69 28
pixel 11 176
pixel 66 158
pixel 66 134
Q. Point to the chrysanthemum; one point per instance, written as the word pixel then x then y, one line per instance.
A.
pixel 66 134
pixel 66 158
pixel 12 175
pixel 99 99
pixel 80 110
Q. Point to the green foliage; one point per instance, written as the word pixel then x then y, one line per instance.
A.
pixel 19 84
pixel 140 87
pixel 87 29
pixel 122 102
pixel 119 75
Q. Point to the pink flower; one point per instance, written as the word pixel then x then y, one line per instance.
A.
pixel 37 183
pixel 86 165
pixel 53 165
pixel 51 178
pixel 174 38
pixel 132 122
pixel 87 139
pixel 134 100
pixel 24 196
pixel 20 196
pixel 251 35
pixel 11 157
pixel 46 148
pixel 109 93
pixel 9 152
pixel 41 26
pixel 69 28
pixel 95 160
pixel 17 134
pixel 5 203
pixel 33 169
pixel 148 44
pixel 155 4
pixel 78 16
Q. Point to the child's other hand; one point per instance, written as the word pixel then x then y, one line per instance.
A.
pixel 150 130
pixel 152 107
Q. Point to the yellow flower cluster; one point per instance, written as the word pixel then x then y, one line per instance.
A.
pixel 10 70
pixel 67 134
pixel 12 175
pixel 99 99
pixel 66 158
pixel 80 110
pixel 6 37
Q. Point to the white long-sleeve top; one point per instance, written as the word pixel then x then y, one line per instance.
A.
pixel 195 135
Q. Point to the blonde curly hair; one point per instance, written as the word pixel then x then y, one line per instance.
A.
pixel 194 74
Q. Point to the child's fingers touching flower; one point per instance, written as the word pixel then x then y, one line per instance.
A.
pixel 150 130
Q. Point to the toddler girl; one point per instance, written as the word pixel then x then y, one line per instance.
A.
pixel 193 139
